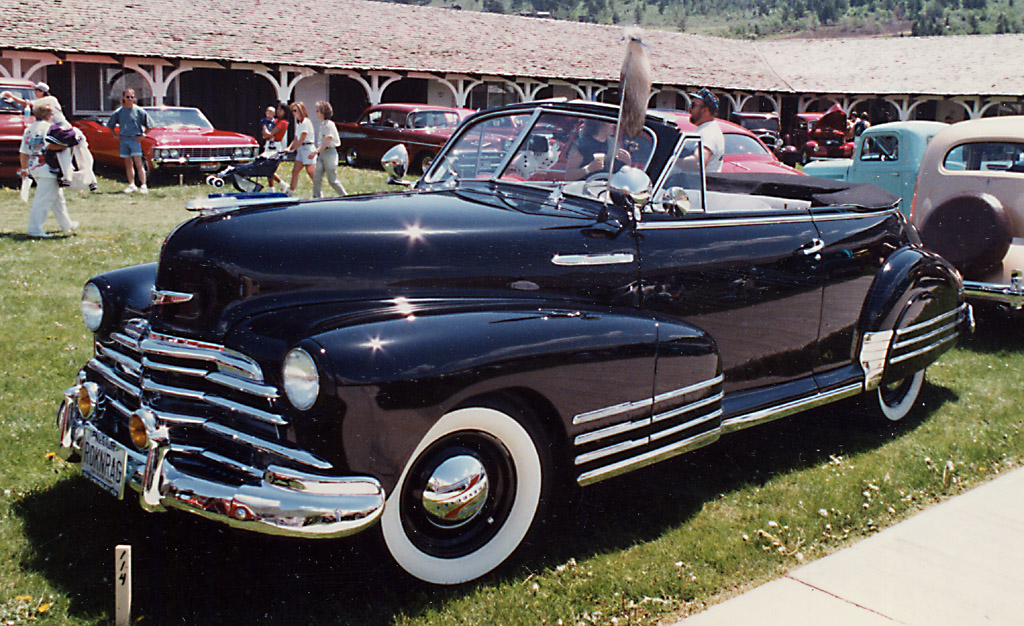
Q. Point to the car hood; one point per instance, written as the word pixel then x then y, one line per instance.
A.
pixel 417 244
pixel 190 136
pixel 756 164
pixel 836 169
pixel 833 120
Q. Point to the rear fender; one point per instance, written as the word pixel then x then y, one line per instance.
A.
pixel 395 378
pixel 914 308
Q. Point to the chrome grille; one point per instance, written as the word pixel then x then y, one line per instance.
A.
pixel 215 401
pixel 207 153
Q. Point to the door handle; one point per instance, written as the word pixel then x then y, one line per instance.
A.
pixel 814 246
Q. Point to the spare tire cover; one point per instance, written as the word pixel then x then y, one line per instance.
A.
pixel 971 232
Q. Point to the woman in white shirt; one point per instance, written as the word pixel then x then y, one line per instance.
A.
pixel 327 153
pixel 303 145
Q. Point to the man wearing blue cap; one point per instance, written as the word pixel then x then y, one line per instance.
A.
pixel 703 108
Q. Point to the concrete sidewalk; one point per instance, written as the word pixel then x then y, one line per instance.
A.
pixel 958 563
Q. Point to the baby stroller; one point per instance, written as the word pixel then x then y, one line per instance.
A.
pixel 244 176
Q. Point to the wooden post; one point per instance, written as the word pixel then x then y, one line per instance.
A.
pixel 122 585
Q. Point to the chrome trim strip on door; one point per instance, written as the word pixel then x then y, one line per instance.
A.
pixel 576 260
pixel 772 413
pixel 610 450
pixel 713 222
pixel 648 458
pixel 610 431
pixel 678 428
pixel 686 408
pixel 626 407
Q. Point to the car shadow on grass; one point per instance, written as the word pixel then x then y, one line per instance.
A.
pixel 190 571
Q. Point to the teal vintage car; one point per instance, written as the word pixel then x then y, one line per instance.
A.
pixel 887 155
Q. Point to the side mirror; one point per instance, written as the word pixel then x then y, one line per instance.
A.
pixel 396 163
pixel 675 201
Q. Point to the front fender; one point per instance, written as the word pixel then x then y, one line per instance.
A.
pixel 127 293
pixel 395 378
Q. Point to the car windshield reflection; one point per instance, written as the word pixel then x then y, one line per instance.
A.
pixel 171 118
pixel 10 106
pixel 554 150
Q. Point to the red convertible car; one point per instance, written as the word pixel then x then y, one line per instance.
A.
pixel 421 128
pixel 818 135
pixel 181 139
pixel 13 122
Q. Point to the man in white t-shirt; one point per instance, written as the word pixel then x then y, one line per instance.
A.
pixel 49 195
pixel 703 108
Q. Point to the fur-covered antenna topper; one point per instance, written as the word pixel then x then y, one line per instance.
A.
pixel 634 83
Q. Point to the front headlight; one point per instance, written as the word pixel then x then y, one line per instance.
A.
pixel 92 307
pixel 157 153
pixel 173 153
pixel 239 152
pixel 301 380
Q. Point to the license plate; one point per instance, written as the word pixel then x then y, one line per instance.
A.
pixel 208 167
pixel 104 461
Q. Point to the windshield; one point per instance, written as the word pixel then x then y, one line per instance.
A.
pixel 557 148
pixel 10 106
pixel 743 144
pixel 433 119
pixel 758 123
pixel 165 118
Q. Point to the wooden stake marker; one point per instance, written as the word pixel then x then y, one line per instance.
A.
pixel 122 585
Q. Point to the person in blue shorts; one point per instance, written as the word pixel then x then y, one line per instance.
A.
pixel 133 122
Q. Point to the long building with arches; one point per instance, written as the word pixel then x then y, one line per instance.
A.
pixel 234 58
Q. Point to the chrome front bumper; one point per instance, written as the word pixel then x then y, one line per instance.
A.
pixel 1010 294
pixel 286 502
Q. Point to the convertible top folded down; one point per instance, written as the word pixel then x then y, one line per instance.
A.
pixel 818 191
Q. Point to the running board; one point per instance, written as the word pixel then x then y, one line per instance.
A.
pixel 769 414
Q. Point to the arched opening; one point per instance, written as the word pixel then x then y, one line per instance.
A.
pixel 878 110
pixel 411 90
pixel 759 104
pixel 347 96
pixel 117 79
pixel 491 94
pixel 820 105
pixel 231 99
pixel 996 109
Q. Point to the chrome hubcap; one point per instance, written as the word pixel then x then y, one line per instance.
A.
pixel 456 491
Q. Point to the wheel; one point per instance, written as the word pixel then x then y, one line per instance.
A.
pixel 894 401
pixel 469 495
pixel 422 163
pixel 351 157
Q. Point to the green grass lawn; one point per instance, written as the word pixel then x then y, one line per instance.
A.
pixel 669 539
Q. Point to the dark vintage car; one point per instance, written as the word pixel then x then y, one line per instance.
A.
pixel 182 139
pixel 421 128
pixel 439 362
pixel 765 126
pixel 818 136
pixel 13 123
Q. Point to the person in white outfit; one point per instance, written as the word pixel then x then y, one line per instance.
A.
pixel 327 153
pixel 703 108
pixel 82 177
pixel 49 195
pixel 303 145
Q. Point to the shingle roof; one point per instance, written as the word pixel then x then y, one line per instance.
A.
pixel 359 34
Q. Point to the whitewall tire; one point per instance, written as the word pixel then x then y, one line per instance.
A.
pixel 467 498
pixel 895 401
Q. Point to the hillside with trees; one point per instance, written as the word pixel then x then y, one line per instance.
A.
pixel 774 18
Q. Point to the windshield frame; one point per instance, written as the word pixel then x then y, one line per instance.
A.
pixel 534 115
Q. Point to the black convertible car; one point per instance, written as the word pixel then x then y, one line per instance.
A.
pixel 438 361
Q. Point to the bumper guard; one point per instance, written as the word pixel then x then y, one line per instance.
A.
pixel 286 502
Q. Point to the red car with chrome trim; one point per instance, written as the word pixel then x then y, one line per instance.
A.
pixel 421 128
pixel 181 139
pixel 13 122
